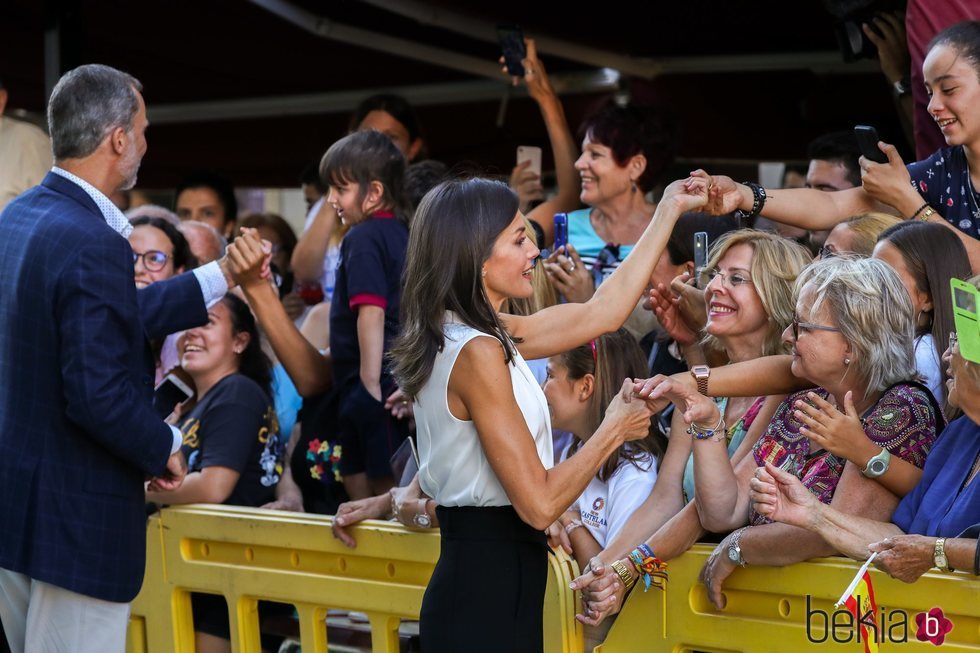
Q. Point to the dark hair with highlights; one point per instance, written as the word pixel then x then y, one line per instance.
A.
pixel 452 235
pixel 616 357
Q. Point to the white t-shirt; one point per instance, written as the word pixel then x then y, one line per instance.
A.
pixel 453 467
pixel 606 506
pixel 927 364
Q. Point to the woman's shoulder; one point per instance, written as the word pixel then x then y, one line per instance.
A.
pixel 943 158
pixel 904 393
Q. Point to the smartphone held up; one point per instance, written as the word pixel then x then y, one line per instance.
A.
pixel 511 38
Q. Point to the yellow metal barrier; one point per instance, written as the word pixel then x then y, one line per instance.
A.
pixel 247 554
pixel 768 608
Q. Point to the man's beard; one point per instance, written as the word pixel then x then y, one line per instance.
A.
pixel 129 166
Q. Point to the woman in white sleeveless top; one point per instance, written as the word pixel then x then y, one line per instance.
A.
pixel 484 430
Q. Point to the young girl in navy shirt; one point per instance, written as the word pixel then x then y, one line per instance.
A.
pixel 365 172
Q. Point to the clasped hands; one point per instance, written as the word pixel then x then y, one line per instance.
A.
pixel 248 258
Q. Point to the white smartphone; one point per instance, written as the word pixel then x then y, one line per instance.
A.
pixel 170 392
pixel 532 154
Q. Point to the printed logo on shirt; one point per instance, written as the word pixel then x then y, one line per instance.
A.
pixel 592 517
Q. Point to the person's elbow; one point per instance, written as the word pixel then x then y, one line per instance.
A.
pixel 715 520
pixel 535 515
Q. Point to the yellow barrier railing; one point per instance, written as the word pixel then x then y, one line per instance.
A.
pixel 768 609
pixel 248 555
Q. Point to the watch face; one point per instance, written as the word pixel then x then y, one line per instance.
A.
pixel 733 553
pixel 878 467
pixel 423 521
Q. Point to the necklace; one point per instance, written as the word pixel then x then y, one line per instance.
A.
pixel 969 189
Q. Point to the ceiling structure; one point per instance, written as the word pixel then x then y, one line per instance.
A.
pixel 258 88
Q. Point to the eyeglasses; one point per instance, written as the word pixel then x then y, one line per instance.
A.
pixel 806 326
pixel 153 260
pixel 732 280
pixel 608 256
pixel 826 252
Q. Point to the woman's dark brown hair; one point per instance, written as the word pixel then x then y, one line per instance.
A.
pixel 616 357
pixel 452 235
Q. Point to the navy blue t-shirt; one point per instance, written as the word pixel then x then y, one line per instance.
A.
pixel 943 180
pixel 235 426
pixel 372 257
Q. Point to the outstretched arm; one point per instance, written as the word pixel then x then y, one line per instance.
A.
pixel 559 328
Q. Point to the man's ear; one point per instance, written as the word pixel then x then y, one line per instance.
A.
pixel 118 139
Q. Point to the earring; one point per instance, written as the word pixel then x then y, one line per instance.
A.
pixel 632 186
pixel 847 361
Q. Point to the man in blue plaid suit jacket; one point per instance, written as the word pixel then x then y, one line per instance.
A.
pixel 78 435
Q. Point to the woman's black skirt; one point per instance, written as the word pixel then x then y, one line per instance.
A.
pixel 487 590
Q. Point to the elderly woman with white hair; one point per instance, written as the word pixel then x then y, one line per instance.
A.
pixel 935 525
pixel 852 338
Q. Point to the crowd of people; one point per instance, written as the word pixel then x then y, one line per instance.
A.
pixel 806 390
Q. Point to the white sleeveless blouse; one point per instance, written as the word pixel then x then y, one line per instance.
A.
pixel 453 468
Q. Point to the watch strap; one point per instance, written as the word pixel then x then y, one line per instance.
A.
pixel 939 556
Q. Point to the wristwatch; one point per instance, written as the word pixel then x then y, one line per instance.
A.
pixel 735 548
pixel 902 87
pixel 939 556
pixel 701 374
pixel 422 519
pixel 878 464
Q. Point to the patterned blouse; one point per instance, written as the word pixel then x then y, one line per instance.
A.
pixel 904 421
pixel 943 180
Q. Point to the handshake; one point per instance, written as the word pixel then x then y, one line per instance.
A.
pixel 247 260
pixel 172 476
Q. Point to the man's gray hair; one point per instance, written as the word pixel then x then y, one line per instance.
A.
pixel 874 312
pixel 86 104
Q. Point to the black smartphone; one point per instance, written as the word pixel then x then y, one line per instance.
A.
pixel 700 256
pixel 168 393
pixel 867 138
pixel 561 231
pixel 511 39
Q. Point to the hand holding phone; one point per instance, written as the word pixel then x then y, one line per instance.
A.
pixel 512 46
pixel 532 155
pixel 867 138
pixel 170 392
pixel 561 232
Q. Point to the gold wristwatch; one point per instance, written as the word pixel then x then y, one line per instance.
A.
pixel 624 574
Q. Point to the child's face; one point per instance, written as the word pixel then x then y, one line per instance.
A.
pixel 563 396
pixel 347 202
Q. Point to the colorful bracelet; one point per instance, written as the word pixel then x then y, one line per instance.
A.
pixel 650 567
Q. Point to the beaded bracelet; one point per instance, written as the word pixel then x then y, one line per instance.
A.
pixel 649 566
pixel 758 202
pixel 699 433
pixel 926 211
